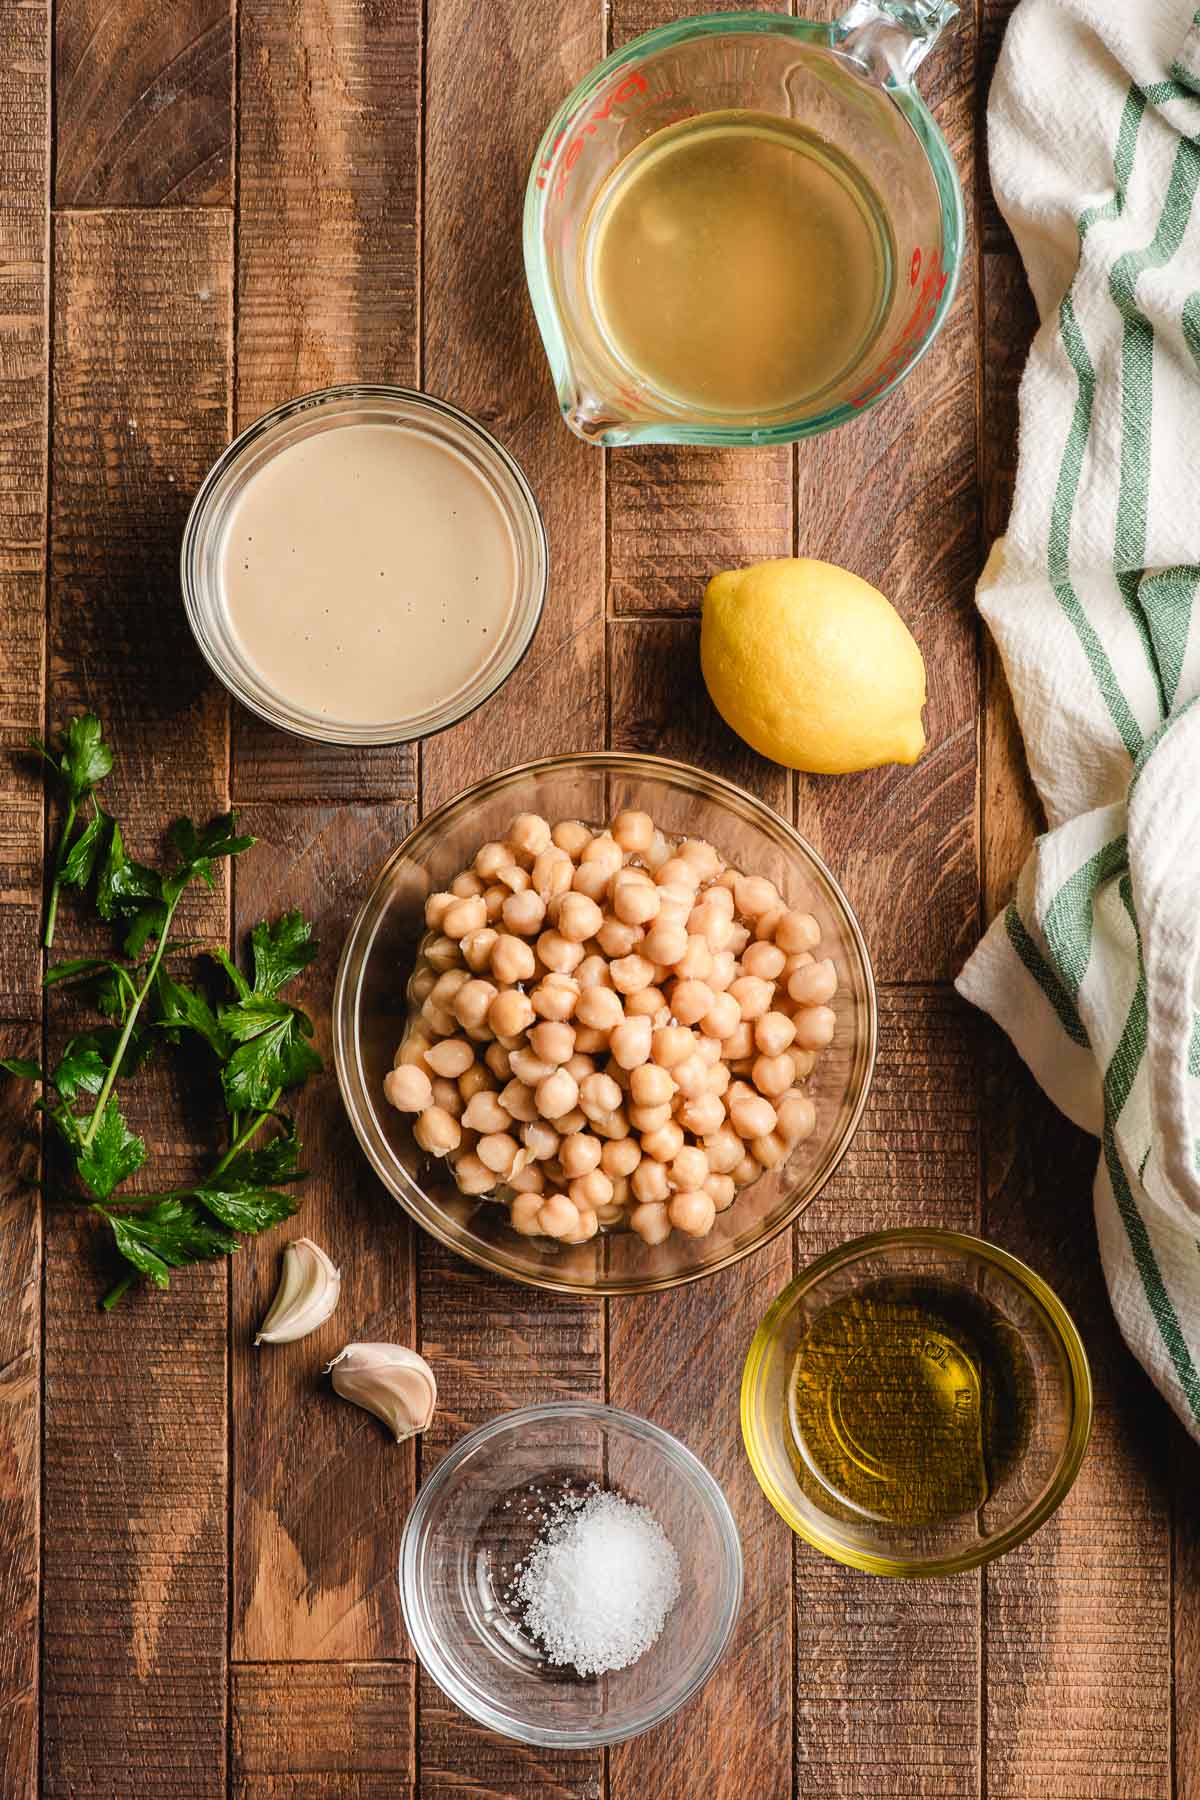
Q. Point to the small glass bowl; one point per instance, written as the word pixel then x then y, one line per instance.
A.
pixel 1052 1369
pixel 370 1012
pixel 333 409
pixel 478 1514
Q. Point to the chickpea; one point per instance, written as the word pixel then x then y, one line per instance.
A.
pixel 558 954
pixel 711 924
pixel 721 1190
pixel 633 831
pixel 540 1139
pixel 439 1021
pixel 477 948
pixel 443 953
pixel 797 1117
pixel 719 1079
pixel 773 1033
pixel 671 1045
pixel 451 1058
pixel 510 1013
pixel 699 854
pixel 690 1001
pixel 737 940
pixel 614 1125
pixel 754 895
pixel 471 1003
pixel 690 1168
pixel 589 1040
pixel 764 960
pixel 614 1212
pixel 592 1188
pixel 551 873
pixel 437 1131
pixel 805 1061
pixel 658 853
pixel 650 1181
pixel 815 1026
pixel 408 1089
pixel 648 1003
pixel 773 1075
pixel 815 985
pixel 529 1180
pixel 599 1095
pixel 493 900
pixel 523 914
pixel 691 1076
pixel 722 1018
pixel 556 1094
pixel 601 1008
pixel 571 836
pixel 559 1216
pixel 579 918
pixel 445 988
pixel 753 996
pixel 752 1116
pixel 605 851
pixel 630 974
pixel 489 859
pixel 512 959
pixel 516 880
pixel 724 1149
pixel 593 972
pixel 589 1225
pixel 747 1170
pixel 528 1067
pixel 651 1222
pixel 739 1044
pixel 525 1215
pixel 484 1113
pixel 724 972
pixel 678 872
pixel 473 1176
pixel 496 1058
pixel 466 886
pixel 422 982
pixel 590 881
pixel 620 1157
pixel 636 902
pixel 518 1101
pixel 692 1212
pixel 665 942
pixel 555 997
pixel 475 1080
pixel 651 1085
pixel 649 1118
pixel 464 915
pixel 664 1144
pixel 436 908
pixel 702 1115
pixel 497 1151
pixel 579 1154
pixel 797 931
pixel 529 833
pixel 771 1151
pixel 697 960
pixel 552 1043
pixel 580 1066
pixel 630 1042
pixel 616 939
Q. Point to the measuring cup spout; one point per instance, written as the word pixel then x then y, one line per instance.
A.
pixel 891 38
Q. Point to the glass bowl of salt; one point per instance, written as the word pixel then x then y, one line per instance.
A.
pixel 570 1575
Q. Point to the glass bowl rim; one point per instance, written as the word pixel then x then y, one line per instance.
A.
pixel 908 102
pixel 673 1450
pixel 344 1011
pixel 273 708
pixel 1063 1328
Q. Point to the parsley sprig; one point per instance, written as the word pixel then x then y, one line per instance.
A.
pixel 261 1043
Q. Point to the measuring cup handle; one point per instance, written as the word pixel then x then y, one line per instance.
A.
pixel 891 38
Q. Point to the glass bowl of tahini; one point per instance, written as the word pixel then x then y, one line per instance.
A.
pixel 916 1402
pixel 372 999
pixel 364 565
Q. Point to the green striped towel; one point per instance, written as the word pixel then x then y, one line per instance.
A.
pixel 1094 140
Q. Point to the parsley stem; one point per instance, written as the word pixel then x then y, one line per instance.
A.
pixel 127 1031
pixel 114 1293
pixel 255 1126
pixel 64 844
pixel 135 1201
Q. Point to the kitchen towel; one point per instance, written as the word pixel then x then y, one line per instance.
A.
pixel 1092 597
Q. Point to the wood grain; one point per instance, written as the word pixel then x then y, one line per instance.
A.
pixel 328 264
pixel 20 1423
pixel 323 1732
pixel 134 1539
pixel 894 496
pixel 1185 1606
pixel 143 103
pixel 319 1488
pixel 24 401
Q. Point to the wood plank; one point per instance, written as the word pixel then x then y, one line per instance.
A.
pixel 994 234
pixel 20 1424
pixel 461 1761
pixel 659 704
pixel 1185 1595
pixel 323 1731
pixel 894 496
pixel 1078 1619
pixel 319 1494
pixel 135 1419
pixel 887 1673
pixel 24 396
pixel 328 254
pixel 143 103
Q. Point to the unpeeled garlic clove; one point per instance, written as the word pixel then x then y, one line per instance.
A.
pixel 308 1291
pixel 392 1382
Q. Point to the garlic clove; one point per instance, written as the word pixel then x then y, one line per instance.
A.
pixel 309 1289
pixel 392 1382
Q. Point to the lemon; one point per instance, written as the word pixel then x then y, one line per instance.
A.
pixel 812 666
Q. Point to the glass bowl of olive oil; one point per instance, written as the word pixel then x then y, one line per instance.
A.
pixel 916 1402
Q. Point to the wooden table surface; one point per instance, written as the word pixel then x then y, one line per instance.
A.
pixel 197 1543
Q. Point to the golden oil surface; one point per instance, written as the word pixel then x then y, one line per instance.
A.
pixel 908 1402
pixel 738 264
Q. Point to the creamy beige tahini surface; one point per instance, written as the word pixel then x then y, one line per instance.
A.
pixel 368 572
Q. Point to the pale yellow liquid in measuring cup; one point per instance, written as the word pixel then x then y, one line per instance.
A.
pixel 368 573
pixel 738 265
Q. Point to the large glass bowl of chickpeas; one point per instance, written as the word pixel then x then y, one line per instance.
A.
pixel 606 1023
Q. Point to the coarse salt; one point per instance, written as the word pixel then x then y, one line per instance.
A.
pixel 596 1590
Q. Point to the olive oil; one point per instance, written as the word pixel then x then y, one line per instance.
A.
pixel 738 264
pixel 909 1401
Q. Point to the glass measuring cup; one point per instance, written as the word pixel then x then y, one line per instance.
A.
pixel 850 82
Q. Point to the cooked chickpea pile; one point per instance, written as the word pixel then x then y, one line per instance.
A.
pixel 610 1030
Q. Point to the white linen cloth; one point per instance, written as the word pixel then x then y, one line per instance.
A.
pixel 1092 597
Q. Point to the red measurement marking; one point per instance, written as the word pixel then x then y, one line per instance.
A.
pixel 914 270
pixel 931 290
